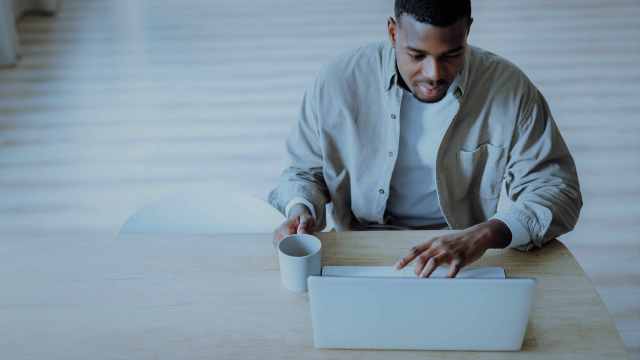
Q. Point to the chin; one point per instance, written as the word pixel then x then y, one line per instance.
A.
pixel 430 96
pixel 430 99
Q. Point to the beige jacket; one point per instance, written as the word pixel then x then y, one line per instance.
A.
pixel 501 155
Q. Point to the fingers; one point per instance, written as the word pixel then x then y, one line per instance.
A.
pixel 277 236
pixel 294 225
pixel 288 227
pixel 415 252
pixel 432 264
pixel 280 233
pixel 438 251
pixel 423 260
pixel 306 223
pixel 435 261
pixel 302 226
pixel 454 268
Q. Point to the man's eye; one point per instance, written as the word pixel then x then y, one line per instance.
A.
pixel 416 57
pixel 452 56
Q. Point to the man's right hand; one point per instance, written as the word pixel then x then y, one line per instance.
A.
pixel 300 221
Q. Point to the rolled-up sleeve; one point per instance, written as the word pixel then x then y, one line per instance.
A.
pixel 303 178
pixel 541 189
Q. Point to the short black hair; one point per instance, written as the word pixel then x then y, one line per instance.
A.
pixel 440 13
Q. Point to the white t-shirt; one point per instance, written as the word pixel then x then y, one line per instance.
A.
pixel 413 199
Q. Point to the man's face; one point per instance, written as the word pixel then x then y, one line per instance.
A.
pixel 428 57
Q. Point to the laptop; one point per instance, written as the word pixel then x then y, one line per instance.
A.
pixel 356 307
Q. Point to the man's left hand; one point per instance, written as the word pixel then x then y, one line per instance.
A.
pixel 458 250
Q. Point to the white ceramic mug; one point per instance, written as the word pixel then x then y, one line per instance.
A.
pixel 299 256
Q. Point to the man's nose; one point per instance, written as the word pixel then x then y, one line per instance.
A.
pixel 432 70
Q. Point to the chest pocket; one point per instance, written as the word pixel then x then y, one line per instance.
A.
pixel 482 171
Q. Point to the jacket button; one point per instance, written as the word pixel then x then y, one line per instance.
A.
pixel 381 191
pixel 390 153
pixel 393 116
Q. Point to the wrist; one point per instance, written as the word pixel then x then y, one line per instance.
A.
pixel 498 234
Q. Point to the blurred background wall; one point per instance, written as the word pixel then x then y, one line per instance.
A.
pixel 118 102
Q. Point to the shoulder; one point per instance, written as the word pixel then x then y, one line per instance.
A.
pixel 486 65
pixel 354 68
pixel 503 81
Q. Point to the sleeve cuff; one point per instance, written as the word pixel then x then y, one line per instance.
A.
pixel 519 234
pixel 299 200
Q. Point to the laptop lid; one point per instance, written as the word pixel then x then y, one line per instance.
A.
pixel 413 313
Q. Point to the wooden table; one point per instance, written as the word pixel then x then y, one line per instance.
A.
pixel 219 297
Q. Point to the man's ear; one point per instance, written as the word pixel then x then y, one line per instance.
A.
pixel 469 25
pixel 392 28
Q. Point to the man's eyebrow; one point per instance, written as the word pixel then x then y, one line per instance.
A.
pixel 451 51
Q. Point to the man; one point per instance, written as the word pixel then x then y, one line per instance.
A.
pixel 425 132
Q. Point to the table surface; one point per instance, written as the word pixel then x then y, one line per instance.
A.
pixel 219 297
